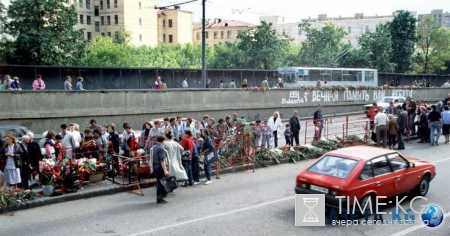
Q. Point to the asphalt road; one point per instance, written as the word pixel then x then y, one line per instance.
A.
pixel 244 203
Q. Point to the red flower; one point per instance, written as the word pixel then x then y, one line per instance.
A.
pixel 57 169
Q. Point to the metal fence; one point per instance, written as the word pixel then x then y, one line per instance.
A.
pixel 143 78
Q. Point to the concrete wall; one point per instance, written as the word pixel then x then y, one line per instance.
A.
pixel 40 111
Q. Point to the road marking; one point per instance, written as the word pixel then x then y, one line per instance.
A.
pixel 213 216
pixel 414 228
pixel 446 159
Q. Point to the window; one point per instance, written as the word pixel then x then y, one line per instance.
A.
pixel 140 21
pixel 101 4
pixel 103 34
pixel 80 3
pixel 380 166
pixel 109 34
pixel 334 166
pixel 164 23
pixel 170 23
pixel 81 19
pixel 170 38
pixel 89 35
pixel 88 20
pixel 102 20
pixel 352 75
pixel 336 75
pixel 349 29
pixel 367 29
pixel 206 34
pixel 367 171
pixel 229 34
pixel 164 37
pixel 222 34
pixel 115 4
pixel 397 162
pixel 96 11
pixel 140 37
pixel 108 20
pixel 88 4
pixel 116 19
pixel 198 35
pixel 369 75
pixel 108 5
pixel 97 26
pixel 215 34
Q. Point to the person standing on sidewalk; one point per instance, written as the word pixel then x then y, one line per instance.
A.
pixel 372 114
pixel 402 121
pixel 160 168
pixel 294 122
pixel 275 125
pixel 392 131
pixel 318 120
pixel 435 125
pixel 381 121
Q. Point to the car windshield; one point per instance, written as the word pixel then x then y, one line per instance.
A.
pixel 334 166
pixel 384 100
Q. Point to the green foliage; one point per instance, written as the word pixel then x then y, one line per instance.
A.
pixel 122 36
pixel 228 56
pixel 262 47
pixel 403 35
pixel 433 47
pixel 377 48
pixel 321 45
pixel 43 32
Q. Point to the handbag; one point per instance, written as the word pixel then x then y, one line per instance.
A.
pixel 169 183
pixel 211 157
pixel 186 155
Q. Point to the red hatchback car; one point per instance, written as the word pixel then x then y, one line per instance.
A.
pixel 364 172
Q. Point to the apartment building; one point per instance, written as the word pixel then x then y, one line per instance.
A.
pixel 442 18
pixel 220 31
pixel 355 26
pixel 174 26
pixel 107 17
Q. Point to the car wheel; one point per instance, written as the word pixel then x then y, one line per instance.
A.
pixel 364 201
pixel 424 185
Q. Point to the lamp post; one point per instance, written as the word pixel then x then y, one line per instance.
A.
pixel 204 43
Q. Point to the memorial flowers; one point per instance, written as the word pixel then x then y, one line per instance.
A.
pixel 49 172
pixel 11 197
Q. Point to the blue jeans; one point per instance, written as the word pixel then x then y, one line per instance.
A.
pixel 195 170
pixel 188 167
pixel 265 139
pixel 435 126
pixel 207 168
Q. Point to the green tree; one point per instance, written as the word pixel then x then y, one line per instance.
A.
pixel 2 35
pixel 122 36
pixel 227 56
pixel 403 35
pixel 321 45
pixel 43 33
pixel 377 46
pixel 355 58
pixel 433 47
pixel 262 47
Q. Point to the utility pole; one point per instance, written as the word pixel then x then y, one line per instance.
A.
pixel 204 44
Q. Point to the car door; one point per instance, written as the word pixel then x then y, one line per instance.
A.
pixel 384 178
pixel 404 179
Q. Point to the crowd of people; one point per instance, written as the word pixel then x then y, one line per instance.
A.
pixel 429 122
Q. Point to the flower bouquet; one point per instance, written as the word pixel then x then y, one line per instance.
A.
pixel 49 172
pixel 11 197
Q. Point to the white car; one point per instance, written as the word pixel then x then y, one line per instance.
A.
pixel 384 103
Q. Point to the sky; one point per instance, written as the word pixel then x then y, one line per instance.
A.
pixel 295 10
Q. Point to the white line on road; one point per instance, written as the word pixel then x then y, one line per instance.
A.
pixel 414 228
pixel 213 216
pixel 446 159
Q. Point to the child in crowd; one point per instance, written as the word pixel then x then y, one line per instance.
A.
pixel 257 130
pixel 266 134
pixel 287 134
pixel 317 130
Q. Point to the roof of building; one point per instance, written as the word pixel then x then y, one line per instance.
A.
pixel 160 12
pixel 361 152
pixel 222 23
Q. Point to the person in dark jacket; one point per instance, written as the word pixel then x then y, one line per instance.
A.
pixel 294 122
pixel 402 121
pixel 115 140
pixel 34 154
pixel 26 164
pixel 423 125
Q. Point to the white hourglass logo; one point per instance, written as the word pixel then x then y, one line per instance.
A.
pixel 310 216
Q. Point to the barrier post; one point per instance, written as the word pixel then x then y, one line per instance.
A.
pixel 306 131
pixel 346 125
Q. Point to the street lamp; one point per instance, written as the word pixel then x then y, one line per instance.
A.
pixel 204 43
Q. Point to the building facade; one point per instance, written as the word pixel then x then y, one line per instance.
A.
pixel 107 17
pixel 355 26
pixel 442 18
pixel 174 26
pixel 220 31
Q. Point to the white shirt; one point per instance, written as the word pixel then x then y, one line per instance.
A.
pixel 275 125
pixel 185 84
pixel 446 85
pixel 381 119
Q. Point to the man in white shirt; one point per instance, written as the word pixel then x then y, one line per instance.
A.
pixel 68 142
pixel 185 84
pixel 381 122
pixel 446 84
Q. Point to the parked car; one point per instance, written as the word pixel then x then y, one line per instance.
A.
pixel 384 103
pixel 18 131
pixel 364 172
